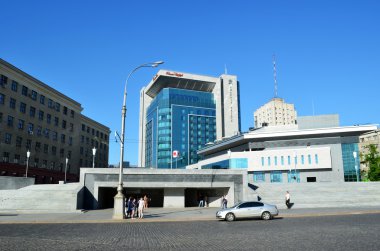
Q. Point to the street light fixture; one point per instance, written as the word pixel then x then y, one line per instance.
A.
pixel 93 157
pixel 67 161
pixel 27 163
pixel 118 212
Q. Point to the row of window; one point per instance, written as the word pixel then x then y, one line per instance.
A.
pixel 276 177
pixel 93 132
pixel 33 95
pixel 268 161
pixel 40 132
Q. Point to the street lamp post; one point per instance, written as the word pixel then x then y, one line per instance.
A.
pixel 355 154
pixel 118 212
pixel 27 163
pixel 67 161
pixel 93 157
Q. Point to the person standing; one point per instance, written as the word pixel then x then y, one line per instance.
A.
pixel 141 208
pixel 145 201
pixel 224 202
pixel 128 207
pixel 287 199
pixel 201 201
pixel 133 206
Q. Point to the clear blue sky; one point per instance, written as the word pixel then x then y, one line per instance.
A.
pixel 327 52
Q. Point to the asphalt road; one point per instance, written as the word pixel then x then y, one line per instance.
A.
pixel 347 232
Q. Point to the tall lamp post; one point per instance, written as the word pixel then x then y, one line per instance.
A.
pixel 93 157
pixel 355 154
pixel 118 211
pixel 27 163
pixel 67 161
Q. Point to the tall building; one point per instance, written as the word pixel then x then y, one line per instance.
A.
pixel 38 118
pixel 183 112
pixel 275 112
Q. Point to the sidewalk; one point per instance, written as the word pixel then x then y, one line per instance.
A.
pixel 166 215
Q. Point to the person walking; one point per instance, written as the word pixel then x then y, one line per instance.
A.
pixel 133 207
pixel 141 208
pixel 287 199
pixel 224 202
pixel 201 201
pixel 128 207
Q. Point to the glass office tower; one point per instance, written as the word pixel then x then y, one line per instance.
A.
pixel 178 120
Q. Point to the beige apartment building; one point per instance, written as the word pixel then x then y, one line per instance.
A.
pixel 38 118
pixel 275 112
pixel 371 138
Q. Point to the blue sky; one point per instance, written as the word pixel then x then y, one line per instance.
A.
pixel 327 52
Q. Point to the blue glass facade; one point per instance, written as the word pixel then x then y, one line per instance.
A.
pixel 181 120
pixel 233 163
pixel 351 165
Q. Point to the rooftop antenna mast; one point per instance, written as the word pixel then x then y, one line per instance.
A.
pixel 275 76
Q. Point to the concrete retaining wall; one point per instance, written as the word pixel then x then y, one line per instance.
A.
pixel 9 182
pixel 309 195
pixel 41 198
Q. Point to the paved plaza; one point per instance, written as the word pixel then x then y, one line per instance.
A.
pixel 344 232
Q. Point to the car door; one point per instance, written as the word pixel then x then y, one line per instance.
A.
pixel 242 210
pixel 256 209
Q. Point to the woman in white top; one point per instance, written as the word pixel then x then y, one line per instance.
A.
pixel 141 208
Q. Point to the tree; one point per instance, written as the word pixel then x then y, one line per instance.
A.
pixel 372 160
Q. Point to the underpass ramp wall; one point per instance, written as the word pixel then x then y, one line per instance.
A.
pixel 312 195
pixel 52 198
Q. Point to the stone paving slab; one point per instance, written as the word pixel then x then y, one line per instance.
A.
pixel 165 215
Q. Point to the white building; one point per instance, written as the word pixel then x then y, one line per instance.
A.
pixel 275 112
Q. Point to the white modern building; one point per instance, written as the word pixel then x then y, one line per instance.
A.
pixel 275 112
pixel 182 112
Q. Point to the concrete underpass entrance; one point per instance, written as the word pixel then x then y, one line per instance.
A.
pixel 214 195
pixel 107 194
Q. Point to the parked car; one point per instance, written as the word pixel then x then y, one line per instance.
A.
pixel 248 209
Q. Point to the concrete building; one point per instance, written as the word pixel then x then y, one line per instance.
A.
pixel 38 118
pixel 275 112
pixel 288 154
pixel 370 138
pixel 183 112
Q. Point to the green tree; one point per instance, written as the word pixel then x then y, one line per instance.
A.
pixel 372 160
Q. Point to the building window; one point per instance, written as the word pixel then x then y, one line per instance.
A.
pixel 289 162
pixel 8 138
pixel 39 130
pixel 268 161
pixel 38 146
pixel 62 152
pixel 275 160
pixel 30 128
pixel 63 138
pixel 71 127
pixel 70 141
pixel 83 127
pixel 46 133
pixel 14 86
pixel 302 159
pixel 56 121
pixel 46 148
pixel 57 106
pixel 22 107
pixel 28 144
pixel 41 115
pixel 18 141
pixel 3 80
pixel 63 124
pixel 42 99
pixel 2 98
pixel 32 111
pixel 262 161
pixel 316 159
pixel 24 90
pixel 34 95
pixel 55 136
pixel 276 177
pixel 53 150
pixel 282 160
pixel 309 159
pixel 12 103
pixel 16 159
pixel 50 103
pixel 21 124
pixel 6 157
pixel 72 113
pixel 10 121
pixel 48 118
pixel 259 177
pixel 65 110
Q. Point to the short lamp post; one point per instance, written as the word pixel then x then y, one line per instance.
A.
pixel 355 154
pixel 67 161
pixel 27 163
pixel 118 211
pixel 93 157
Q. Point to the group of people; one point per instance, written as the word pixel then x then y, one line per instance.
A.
pixel 135 208
pixel 203 201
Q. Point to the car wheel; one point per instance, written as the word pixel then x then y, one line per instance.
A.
pixel 230 217
pixel 266 216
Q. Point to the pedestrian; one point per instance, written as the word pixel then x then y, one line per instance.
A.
pixel 141 208
pixel 133 207
pixel 206 201
pixel 224 202
pixel 145 201
pixel 128 207
pixel 287 199
pixel 200 201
